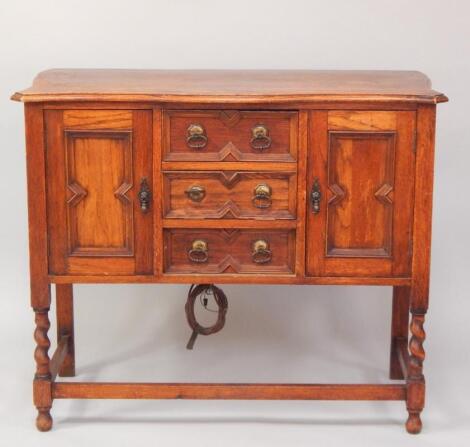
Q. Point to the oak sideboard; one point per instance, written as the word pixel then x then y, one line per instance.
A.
pixel 246 177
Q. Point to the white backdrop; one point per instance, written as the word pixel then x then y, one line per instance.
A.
pixel 272 333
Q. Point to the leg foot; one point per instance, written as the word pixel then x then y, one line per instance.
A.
pixel 42 394
pixel 416 385
pixel 414 424
pixel 44 419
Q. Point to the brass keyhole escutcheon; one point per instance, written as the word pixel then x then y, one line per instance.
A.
pixel 144 195
pixel 315 196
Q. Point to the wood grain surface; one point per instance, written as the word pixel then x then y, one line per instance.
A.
pixel 229 86
pixel 121 190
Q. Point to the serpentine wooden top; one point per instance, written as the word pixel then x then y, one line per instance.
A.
pixel 227 86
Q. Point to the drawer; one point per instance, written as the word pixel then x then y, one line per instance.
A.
pixel 224 194
pixel 230 135
pixel 229 251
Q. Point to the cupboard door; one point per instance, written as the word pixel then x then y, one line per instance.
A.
pixel 97 162
pixel 362 165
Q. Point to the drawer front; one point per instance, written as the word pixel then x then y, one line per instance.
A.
pixel 224 194
pixel 230 135
pixel 229 251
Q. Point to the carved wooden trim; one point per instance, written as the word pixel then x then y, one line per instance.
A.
pixel 121 192
pixel 229 235
pixel 338 194
pixel 229 152
pixel 230 117
pixel 79 193
pixel 415 379
pixel 384 194
pixel 41 353
pixel 417 353
pixel 42 390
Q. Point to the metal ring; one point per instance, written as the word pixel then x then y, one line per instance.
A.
pixel 261 201
pixel 197 255
pixel 262 256
pixel 196 138
pixel 261 253
pixel 260 140
pixel 199 251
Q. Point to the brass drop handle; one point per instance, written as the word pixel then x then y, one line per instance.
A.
pixel 261 253
pixel 199 251
pixel 262 196
pixel 144 195
pixel 315 196
pixel 196 193
pixel 196 136
pixel 260 139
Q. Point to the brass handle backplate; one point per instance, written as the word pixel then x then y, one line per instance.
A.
pixel 262 196
pixel 315 196
pixel 261 253
pixel 199 251
pixel 145 196
pixel 196 136
pixel 196 193
pixel 260 139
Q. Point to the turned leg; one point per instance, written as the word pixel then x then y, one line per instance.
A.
pixel 38 254
pixel 400 322
pixel 42 379
pixel 415 380
pixel 64 304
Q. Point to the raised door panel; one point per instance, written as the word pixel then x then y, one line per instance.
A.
pixel 360 181
pixel 99 176
pixel 362 165
pixel 96 161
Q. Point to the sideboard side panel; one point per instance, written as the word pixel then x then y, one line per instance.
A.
pixel 423 207
pixel 37 218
